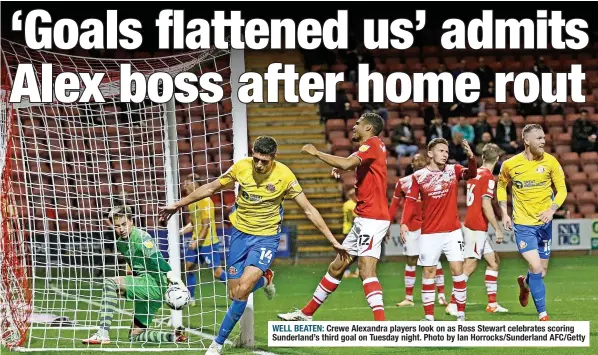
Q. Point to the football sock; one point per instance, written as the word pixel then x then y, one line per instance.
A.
pixel 327 285
pixel 154 336
pixel 259 284
pixel 373 294
pixel 538 291
pixel 222 276
pixel 191 282
pixel 409 281
pixel 439 278
pixel 109 304
pixel 491 285
pixel 460 292
pixel 233 315
pixel 428 297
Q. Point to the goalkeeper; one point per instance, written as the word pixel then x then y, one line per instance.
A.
pixel 146 287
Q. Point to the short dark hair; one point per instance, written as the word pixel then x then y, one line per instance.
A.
pixel 436 141
pixel 120 211
pixel 265 145
pixel 375 120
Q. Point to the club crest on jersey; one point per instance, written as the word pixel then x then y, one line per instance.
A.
pixel 270 187
pixel 540 169
pixel 364 148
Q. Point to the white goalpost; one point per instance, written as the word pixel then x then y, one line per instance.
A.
pixel 65 166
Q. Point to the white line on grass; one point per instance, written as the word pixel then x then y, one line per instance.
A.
pixel 162 322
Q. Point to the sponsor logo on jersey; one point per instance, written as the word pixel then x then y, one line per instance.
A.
pixel 250 197
pixel 148 244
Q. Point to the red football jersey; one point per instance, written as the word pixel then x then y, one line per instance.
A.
pixel 478 187
pixel 370 183
pixel 438 192
pixel 403 185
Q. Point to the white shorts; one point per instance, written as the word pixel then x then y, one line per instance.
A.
pixel 366 236
pixel 477 243
pixel 411 245
pixel 431 246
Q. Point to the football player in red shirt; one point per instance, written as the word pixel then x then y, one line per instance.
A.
pixel 437 186
pixel 411 246
pixel 480 212
pixel 364 241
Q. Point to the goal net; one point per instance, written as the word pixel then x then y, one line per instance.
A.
pixel 65 166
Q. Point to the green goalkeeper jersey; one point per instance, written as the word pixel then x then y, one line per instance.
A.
pixel 143 256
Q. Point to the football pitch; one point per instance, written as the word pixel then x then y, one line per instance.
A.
pixel 572 294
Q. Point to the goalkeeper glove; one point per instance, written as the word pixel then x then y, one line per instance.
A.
pixel 174 279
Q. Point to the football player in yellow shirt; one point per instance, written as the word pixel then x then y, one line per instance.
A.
pixel 348 216
pixel 257 216
pixel 205 246
pixel 532 174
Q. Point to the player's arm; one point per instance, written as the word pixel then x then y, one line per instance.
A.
pixel 202 192
pixel 394 204
pixel 557 175
pixel 348 163
pixel 487 207
pixel 409 207
pixel 472 165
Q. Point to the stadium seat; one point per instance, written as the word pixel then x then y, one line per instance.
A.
pixel 562 139
pixel 593 179
pixel 589 158
pixel 578 178
pixel 581 188
pixel 342 143
pixel 569 158
pixel 335 124
pixel 587 208
pixel 586 197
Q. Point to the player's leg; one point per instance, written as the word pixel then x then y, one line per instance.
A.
pixel 328 284
pixel 191 268
pixel 430 250
pixel 147 295
pixel 411 248
pixel 453 248
pixel 112 288
pixel 491 280
pixel 472 252
pixel 534 245
pixel 215 262
pixel 259 253
pixel 439 279
pixel 371 237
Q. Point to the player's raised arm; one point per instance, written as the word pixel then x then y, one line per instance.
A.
pixel 394 204
pixel 472 165
pixel 202 192
pixel 314 216
pixel 348 163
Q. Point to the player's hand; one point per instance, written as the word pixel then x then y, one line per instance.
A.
pixel 174 279
pixel 166 212
pixel 387 237
pixel 546 216
pixel 507 223
pixel 467 148
pixel 309 149
pixel 335 174
pixel 192 245
pixel 342 252
pixel 404 233
pixel 499 237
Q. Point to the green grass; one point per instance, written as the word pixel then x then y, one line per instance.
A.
pixel 572 294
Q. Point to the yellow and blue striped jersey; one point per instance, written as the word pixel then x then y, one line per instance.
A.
pixel 200 210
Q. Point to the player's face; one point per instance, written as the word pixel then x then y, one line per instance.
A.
pixel 439 154
pixel 189 187
pixel 358 130
pixel 122 226
pixel 536 140
pixel 262 163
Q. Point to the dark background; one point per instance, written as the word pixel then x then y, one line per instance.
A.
pixel 436 13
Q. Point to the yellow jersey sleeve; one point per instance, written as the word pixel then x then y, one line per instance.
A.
pixel 503 181
pixel 231 175
pixel 293 189
pixel 558 179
